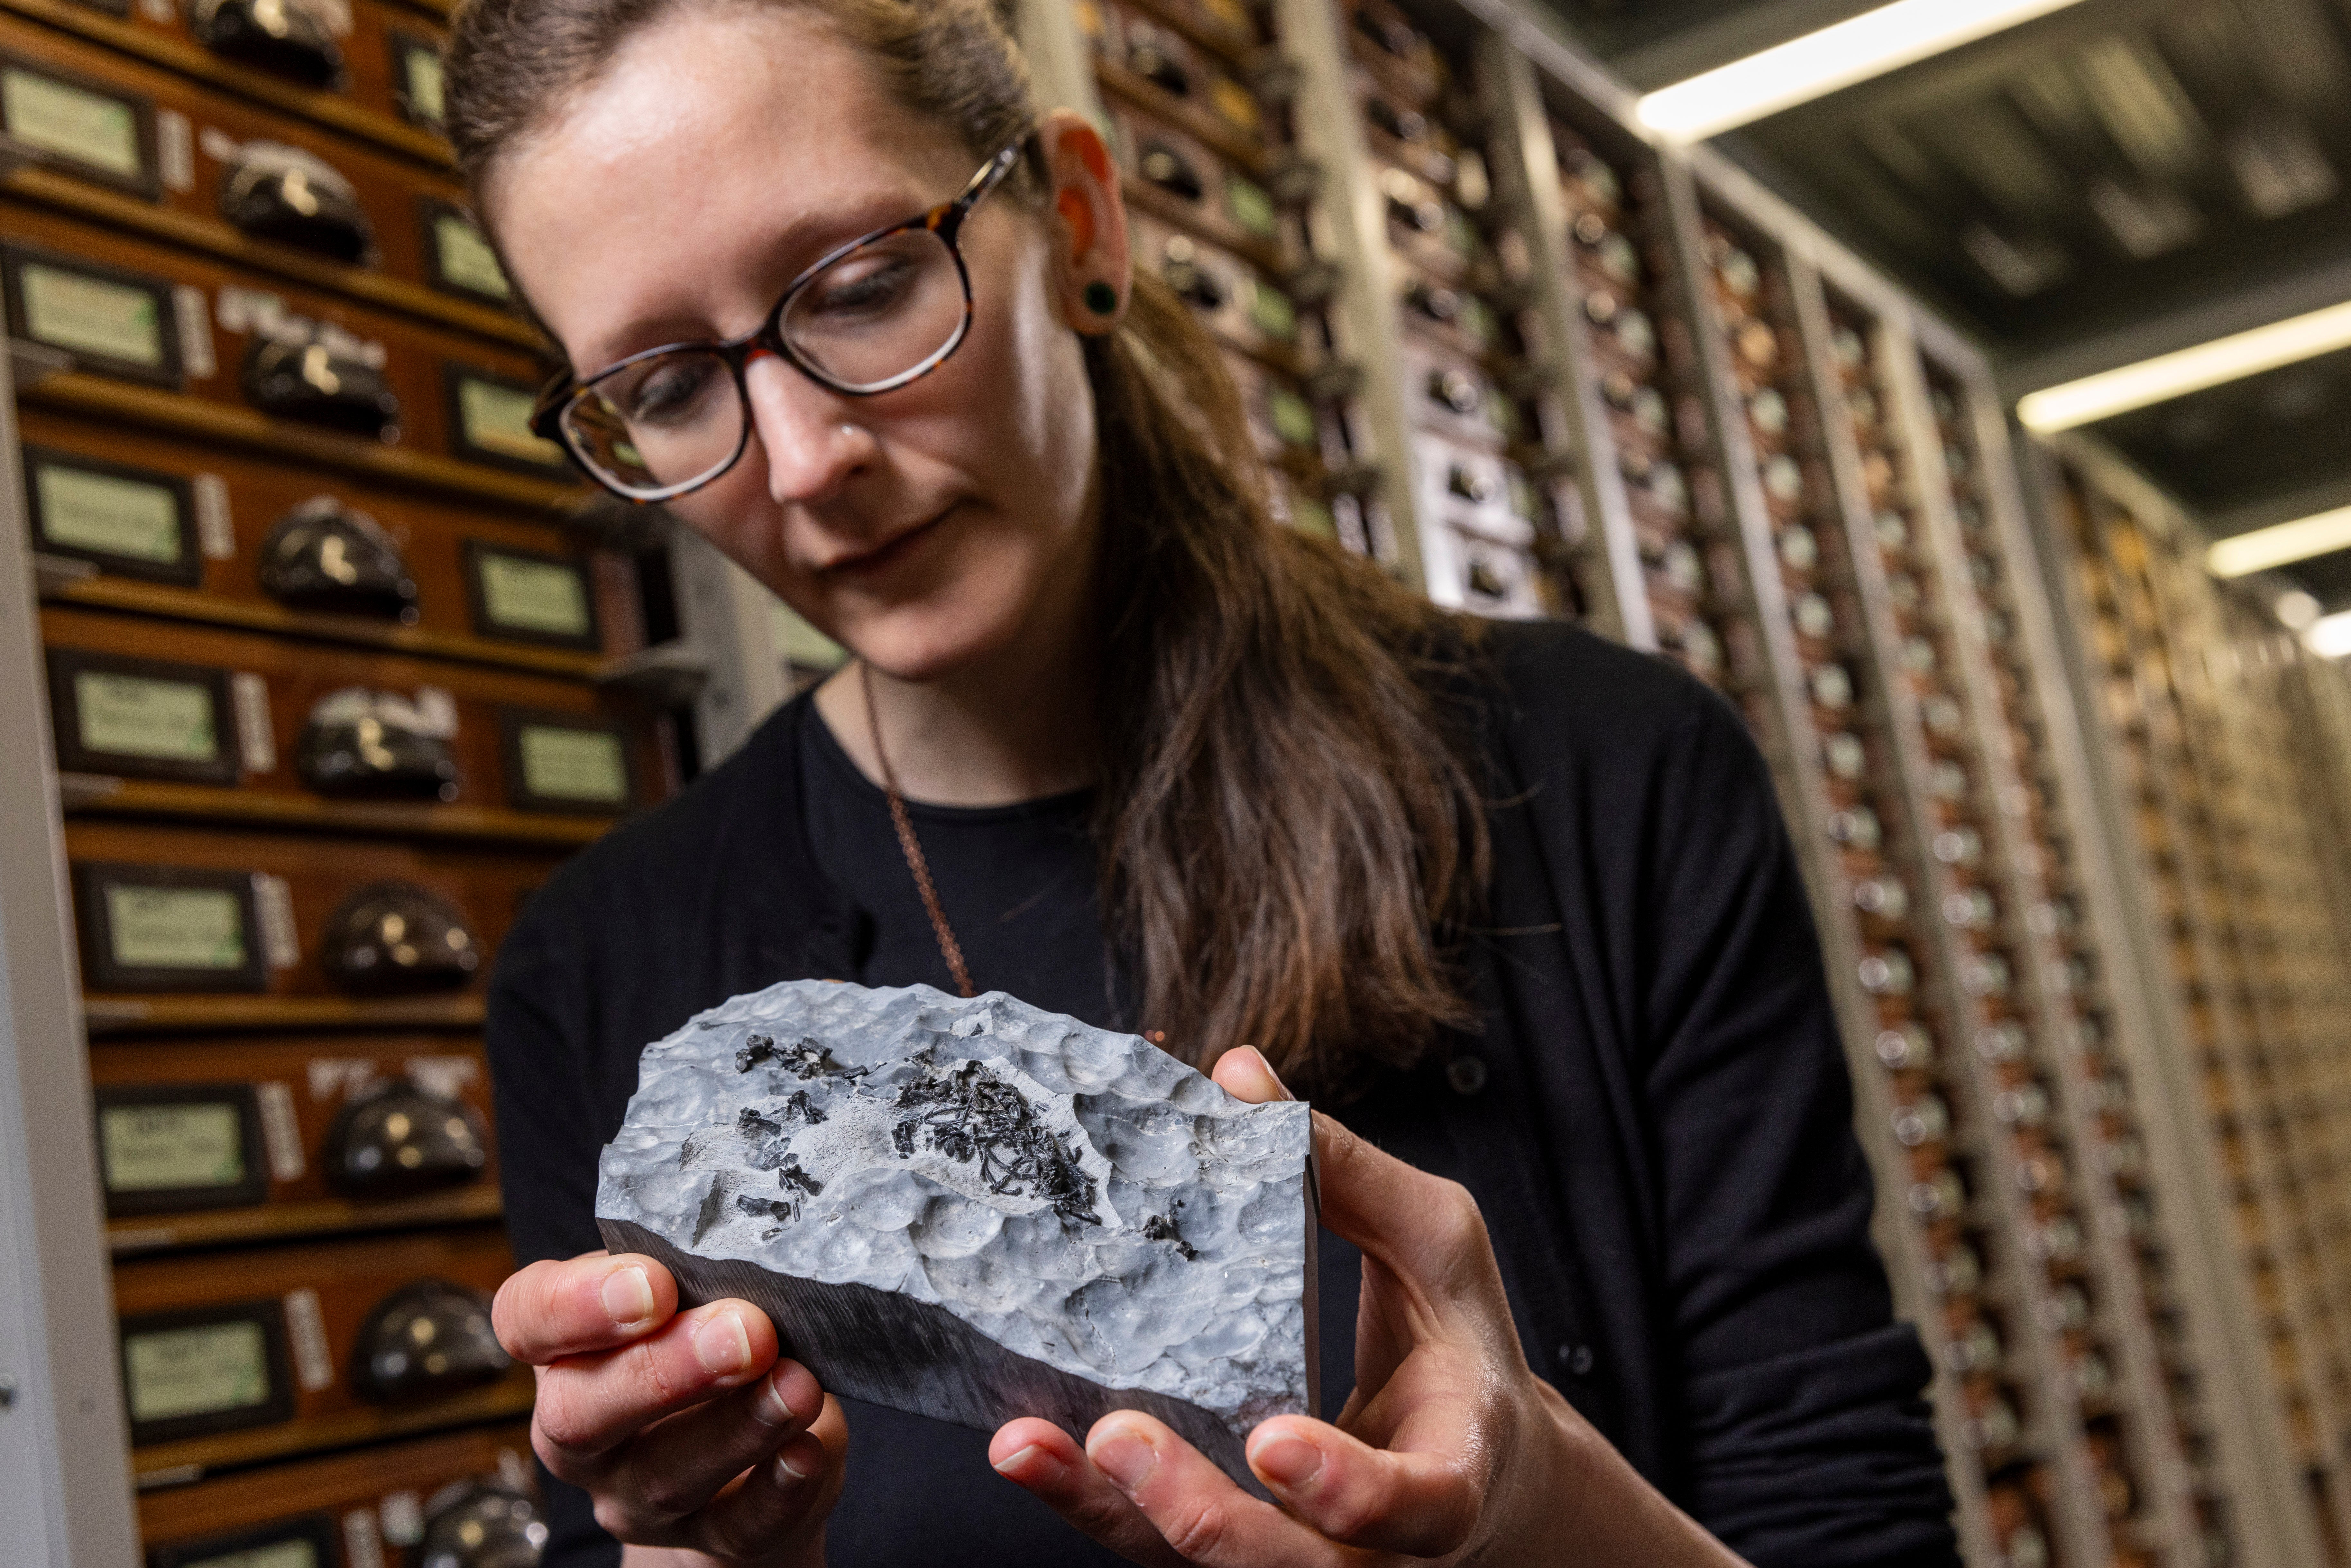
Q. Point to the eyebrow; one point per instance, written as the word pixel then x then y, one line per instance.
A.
pixel 801 242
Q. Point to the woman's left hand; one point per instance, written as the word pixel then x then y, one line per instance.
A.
pixel 1450 1449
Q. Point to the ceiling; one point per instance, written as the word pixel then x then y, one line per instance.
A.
pixel 2081 190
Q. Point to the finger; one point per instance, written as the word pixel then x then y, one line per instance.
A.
pixel 1383 1338
pixel 1244 1074
pixel 589 1405
pixel 676 1466
pixel 1047 1463
pixel 1420 1502
pixel 579 1305
pixel 791 1491
pixel 1194 1506
pixel 1427 1230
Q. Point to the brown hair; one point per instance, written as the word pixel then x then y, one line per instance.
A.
pixel 1288 825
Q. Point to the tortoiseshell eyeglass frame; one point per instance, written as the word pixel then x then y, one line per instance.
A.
pixel 945 220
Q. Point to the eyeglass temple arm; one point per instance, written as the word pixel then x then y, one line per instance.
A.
pixel 992 173
pixel 548 404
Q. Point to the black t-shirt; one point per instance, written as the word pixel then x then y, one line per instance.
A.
pixel 1017 884
pixel 1017 887
pixel 1654 1113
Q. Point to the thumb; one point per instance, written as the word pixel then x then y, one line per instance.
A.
pixel 1426 1231
pixel 1244 1074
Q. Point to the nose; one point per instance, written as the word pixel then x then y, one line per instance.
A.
pixel 810 449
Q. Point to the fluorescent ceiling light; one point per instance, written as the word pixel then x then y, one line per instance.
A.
pixel 1820 63
pixel 2167 376
pixel 2296 611
pixel 2330 638
pixel 2262 549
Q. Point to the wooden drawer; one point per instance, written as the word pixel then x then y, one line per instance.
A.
pixel 179 528
pixel 388 90
pixel 360 1503
pixel 147 150
pixel 1290 432
pixel 1175 176
pixel 1228 296
pixel 238 1356
pixel 1459 315
pixel 76 289
pixel 1141 60
pixel 1227 29
pixel 508 741
pixel 250 955
pixel 1451 394
pixel 294 1090
pixel 1382 41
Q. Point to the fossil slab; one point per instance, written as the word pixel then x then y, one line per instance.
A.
pixel 973 1209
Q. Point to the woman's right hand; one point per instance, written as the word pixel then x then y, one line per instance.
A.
pixel 687 1431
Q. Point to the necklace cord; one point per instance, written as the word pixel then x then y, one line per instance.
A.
pixel 949 948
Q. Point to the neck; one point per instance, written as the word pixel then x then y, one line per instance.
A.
pixel 1017 725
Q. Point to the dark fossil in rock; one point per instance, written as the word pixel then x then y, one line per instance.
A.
pixel 974 1209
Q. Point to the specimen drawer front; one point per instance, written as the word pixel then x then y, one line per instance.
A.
pixel 203 159
pixel 388 1495
pixel 444 732
pixel 185 1126
pixel 152 316
pixel 275 1348
pixel 291 886
pixel 381 82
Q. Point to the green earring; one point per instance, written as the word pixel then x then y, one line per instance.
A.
pixel 1102 299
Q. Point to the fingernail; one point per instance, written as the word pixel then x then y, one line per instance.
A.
pixel 1269 1072
pixel 791 1468
pixel 1124 1459
pixel 1288 1461
pixel 771 1407
pixel 1031 1465
pixel 722 1345
pixel 627 1295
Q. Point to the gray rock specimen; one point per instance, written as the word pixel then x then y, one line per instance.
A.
pixel 974 1209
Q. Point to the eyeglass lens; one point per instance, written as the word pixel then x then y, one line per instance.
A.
pixel 872 319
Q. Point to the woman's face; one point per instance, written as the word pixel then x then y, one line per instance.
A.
pixel 726 150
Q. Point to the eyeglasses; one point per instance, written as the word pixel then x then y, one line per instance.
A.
pixel 880 311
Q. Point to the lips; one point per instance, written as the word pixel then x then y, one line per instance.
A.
pixel 883 556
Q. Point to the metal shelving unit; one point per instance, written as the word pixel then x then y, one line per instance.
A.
pixel 2177 772
pixel 1861 834
pixel 1912 606
pixel 1471 308
pixel 2058 965
pixel 1601 546
pixel 2181 1322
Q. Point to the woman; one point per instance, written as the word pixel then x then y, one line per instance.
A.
pixel 1518 904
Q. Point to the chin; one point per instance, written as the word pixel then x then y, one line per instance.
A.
pixel 921 643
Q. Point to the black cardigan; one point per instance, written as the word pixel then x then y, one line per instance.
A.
pixel 1656 1117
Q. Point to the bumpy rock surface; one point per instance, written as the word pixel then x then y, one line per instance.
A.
pixel 974 1209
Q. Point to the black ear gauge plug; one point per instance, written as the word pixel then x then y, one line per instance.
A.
pixel 1102 299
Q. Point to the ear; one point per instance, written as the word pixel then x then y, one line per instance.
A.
pixel 1087 224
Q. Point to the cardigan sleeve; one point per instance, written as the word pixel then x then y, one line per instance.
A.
pixel 538 1036
pixel 1808 1440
